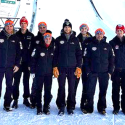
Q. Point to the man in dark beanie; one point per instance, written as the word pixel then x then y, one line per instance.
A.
pixel 26 37
pixel 10 59
pixel 67 63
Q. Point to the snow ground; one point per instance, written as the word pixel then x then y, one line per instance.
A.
pixel 53 13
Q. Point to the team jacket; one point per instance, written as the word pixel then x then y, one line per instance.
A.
pixel 68 53
pixel 42 60
pixel 119 51
pixel 10 52
pixel 27 43
pixel 99 57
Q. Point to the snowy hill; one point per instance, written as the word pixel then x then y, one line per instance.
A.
pixel 53 13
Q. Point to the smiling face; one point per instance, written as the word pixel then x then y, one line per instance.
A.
pixel 9 29
pixel 42 29
pixel 120 33
pixel 84 31
pixel 48 40
pixel 67 29
pixel 99 36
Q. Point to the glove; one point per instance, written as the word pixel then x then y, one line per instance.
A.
pixel 55 72
pixel 33 75
pixel 78 72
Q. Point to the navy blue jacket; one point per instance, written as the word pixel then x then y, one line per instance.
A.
pixel 119 51
pixel 10 52
pixel 84 43
pixel 68 53
pixel 42 60
pixel 27 43
pixel 99 57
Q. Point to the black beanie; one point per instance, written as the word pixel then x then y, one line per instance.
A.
pixel 67 23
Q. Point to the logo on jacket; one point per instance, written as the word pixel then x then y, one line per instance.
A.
pixel 116 47
pixel 52 54
pixel 42 54
pixel 61 42
pixel 72 43
pixel 94 48
pixel 37 42
pixel 28 37
pixel 13 41
pixel 33 53
pixel 1 40
pixel 105 48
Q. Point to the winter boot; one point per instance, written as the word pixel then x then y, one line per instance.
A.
pixel 46 110
pixel 15 104
pixel 39 111
pixel 70 111
pixel 8 109
pixel 115 112
pixel 27 103
pixel 103 112
pixel 61 111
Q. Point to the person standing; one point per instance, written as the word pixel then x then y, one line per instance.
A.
pixel 84 38
pixel 41 67
pixel 38 40
pixel 99 65
pixel 26 38
pixel 10 60
pixel 118 76
pixel 67 64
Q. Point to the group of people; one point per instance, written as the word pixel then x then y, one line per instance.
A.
pixel 67 56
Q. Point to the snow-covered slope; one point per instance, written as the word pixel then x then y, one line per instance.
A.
pixel 54 13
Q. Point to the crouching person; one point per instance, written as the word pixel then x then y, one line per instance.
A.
pixel 41 67
pixel 10 56
pixel 99 65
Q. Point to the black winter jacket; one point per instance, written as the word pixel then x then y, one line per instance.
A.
pixel 67 52
pixel 10 52
pixel 27 43
pixel 99 57
pixel 42 60
pixel 119 51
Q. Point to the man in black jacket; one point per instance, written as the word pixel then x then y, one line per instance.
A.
pixel 118 76
pixel 26 38
pixel 10 59
pixel 84 38
pixel 38 41
pixel 67 63
pixel 42 67
pixel 99 65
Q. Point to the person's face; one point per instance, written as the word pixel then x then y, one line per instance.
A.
pixel 99 36
pixel 84 30
pixel 23 25
pixel 9 29
pixel 48 40
pixel 67 29
pixel 120 33
pixel 42 29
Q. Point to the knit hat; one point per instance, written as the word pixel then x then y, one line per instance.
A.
pixel 120 26
pixel 47 35
pixel 42 24
pixel 67 23
pixel 84 25
pixel 99 30
pixel 23 19
pixel 9 22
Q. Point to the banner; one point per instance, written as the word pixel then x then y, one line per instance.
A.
pixel 8 1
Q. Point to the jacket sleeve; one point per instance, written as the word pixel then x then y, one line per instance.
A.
pixel 18 59
pixel 111 60
pixel 79 54
pixel 56 54
pixel 87 54
pixel 34 59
